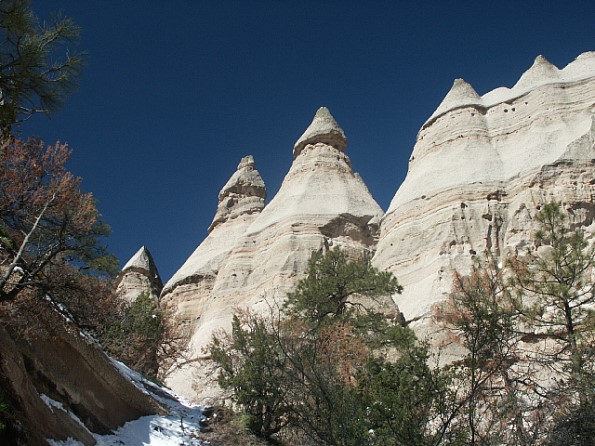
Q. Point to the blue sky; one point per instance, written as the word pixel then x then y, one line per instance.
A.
pixel 176 92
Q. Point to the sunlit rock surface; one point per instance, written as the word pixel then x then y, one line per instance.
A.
pixel 479 170
pixel 321 203
pixel 139 275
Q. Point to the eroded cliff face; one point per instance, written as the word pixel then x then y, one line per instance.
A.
pixel 478 173
pixel 321 203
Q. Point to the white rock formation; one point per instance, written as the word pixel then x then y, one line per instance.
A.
pixel 186 293
pixel 240 200
pixel 323 129
pixel 244 193
pixel 480 168
pixel 320 203
pixel 139 275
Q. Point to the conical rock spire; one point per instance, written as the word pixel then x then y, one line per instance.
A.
pixel 460 94
pixel 245 192
pixel 541 72
pixel 324 129
pixel 321 203
pixel 142 259
pixel 240 200
pixel 139 275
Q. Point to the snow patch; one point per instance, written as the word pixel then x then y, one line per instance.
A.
pixel 53 404
pixel 181 425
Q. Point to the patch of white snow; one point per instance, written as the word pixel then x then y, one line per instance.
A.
pixel 180 426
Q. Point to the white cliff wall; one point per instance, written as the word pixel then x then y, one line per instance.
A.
pixel 480 168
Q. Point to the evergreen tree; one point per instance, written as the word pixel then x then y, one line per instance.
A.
pixel 134 333
pixel 334 287
pixel 33 76
pixel 317 376
pixel 528 330
pixel 253 365
pixel 555 288
pixel 555 292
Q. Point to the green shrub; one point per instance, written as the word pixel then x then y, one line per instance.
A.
pixel 134 333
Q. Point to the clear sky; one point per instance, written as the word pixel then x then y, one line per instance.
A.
pixel 176 92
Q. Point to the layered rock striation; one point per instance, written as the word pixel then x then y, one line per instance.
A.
pixel 139 275
pixel 480 169
pixel 321 203
pixel 185 296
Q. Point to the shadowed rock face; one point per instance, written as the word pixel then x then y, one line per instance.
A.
pixel 480 168
pixel 139 275
pixel 321 203
pixel 52 368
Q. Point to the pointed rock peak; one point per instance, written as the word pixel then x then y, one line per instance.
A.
pixel 463 88
pixel 323 129
pixel 246 180
pixel 583 66
pixel 247 161
pixel 544 66
pixel 542 71
pixel 460 94
pixel 244 193
pixel 541 60
pixel 139 275
pixel 141 260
